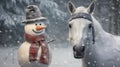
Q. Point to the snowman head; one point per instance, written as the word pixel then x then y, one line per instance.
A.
pixel 34 22
pixel 35 29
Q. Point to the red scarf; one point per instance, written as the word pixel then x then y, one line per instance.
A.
pixel 33 39
pixel 36 42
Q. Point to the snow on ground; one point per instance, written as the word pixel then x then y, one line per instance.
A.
pixel 61 57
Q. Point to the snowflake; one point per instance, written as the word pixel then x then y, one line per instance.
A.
pixel 89 63
pixel 113 8
pixel 18 41
pixel 90 53
pixel 65 62
pixel 10 37
pixel 0 31
pixel 10 30
pixel 114 66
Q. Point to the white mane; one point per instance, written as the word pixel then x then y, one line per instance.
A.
pixel 97 25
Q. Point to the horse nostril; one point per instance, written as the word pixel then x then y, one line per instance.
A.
pixel 82 48
pixel 70 26
pixel 74 48
pixel 78 51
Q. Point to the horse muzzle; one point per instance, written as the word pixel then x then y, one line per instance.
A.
pixel 78 51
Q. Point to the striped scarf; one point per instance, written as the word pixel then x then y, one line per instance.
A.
pixel 36 43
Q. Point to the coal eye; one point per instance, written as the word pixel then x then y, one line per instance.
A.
pixel 70 26
pixel 40 24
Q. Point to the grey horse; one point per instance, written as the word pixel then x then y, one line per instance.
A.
pixel 94 46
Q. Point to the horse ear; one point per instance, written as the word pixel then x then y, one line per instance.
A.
pixel 71 7
pixel 91 7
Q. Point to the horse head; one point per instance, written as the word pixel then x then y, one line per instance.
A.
pixel 80 27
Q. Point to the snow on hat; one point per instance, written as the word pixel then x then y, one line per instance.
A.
pixel 33 14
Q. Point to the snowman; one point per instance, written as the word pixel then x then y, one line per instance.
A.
pixel 34 52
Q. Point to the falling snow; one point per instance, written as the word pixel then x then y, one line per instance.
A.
pixel 11 31
pixel 60 58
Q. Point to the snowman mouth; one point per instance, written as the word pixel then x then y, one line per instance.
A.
pixel 37 31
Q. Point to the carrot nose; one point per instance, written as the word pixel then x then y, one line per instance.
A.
pixel 40 27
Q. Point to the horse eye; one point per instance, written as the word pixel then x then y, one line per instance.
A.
pixel 36 24
pixel 70 26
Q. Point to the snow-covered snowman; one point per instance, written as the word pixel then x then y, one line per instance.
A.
pixel 34 52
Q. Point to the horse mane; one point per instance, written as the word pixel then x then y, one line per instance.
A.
pixel 98 27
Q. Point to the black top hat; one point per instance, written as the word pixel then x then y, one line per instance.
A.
pixel 33 14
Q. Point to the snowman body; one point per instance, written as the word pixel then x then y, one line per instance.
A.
pixel 33 29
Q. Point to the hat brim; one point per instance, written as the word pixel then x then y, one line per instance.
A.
pixel 34 20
